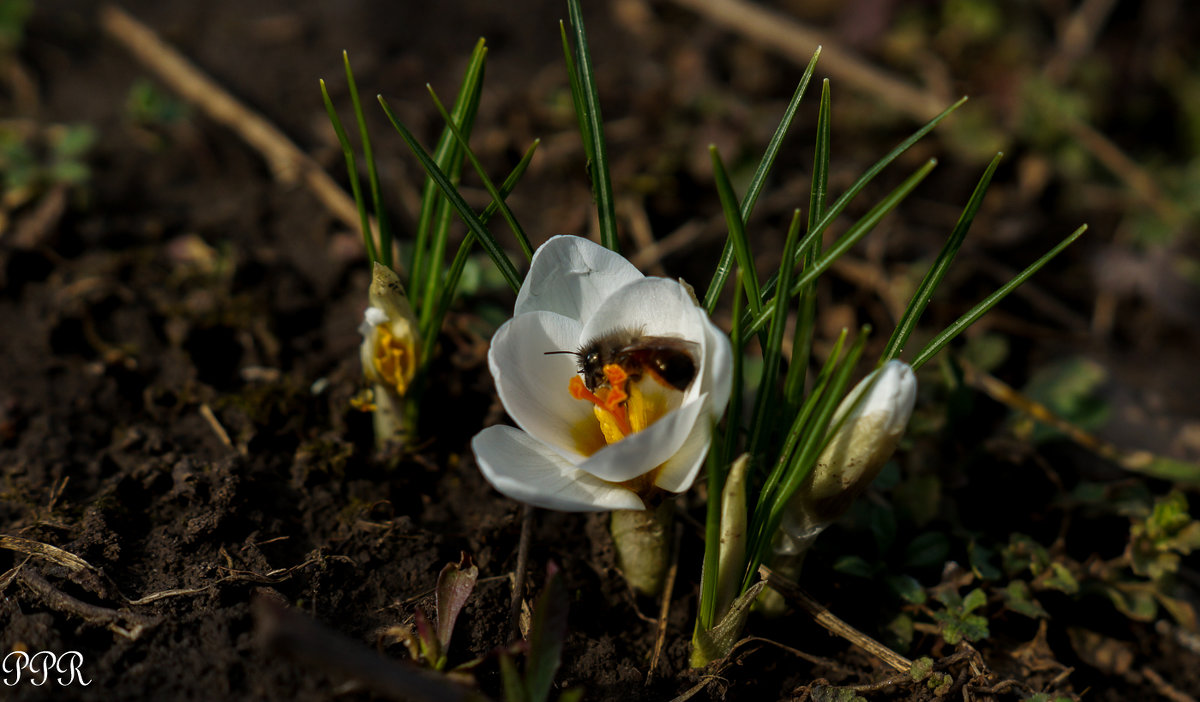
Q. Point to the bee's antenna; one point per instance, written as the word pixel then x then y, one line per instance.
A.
pixel 551 353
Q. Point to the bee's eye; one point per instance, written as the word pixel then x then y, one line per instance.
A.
pixel 593 357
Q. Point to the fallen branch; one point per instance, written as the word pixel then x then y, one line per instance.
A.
pixel 127 624
pixel 833 624
pixel 288 164
pixel 786 36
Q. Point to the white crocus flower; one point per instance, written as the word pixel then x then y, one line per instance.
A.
pixel 608 443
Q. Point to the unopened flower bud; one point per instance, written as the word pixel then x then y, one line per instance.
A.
pixel 865 440
pixel 872 426
pixel 390 346
pixel 390 353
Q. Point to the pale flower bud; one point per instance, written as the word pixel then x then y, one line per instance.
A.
pixel 390 345
pixel 864 442
pixel 390 353
pixel 854 456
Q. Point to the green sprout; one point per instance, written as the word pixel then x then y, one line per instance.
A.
pixel 791 433
pixel 410 301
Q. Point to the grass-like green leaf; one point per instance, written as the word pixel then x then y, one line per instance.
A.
pixel 710 572
pixel 941 340
pixel 465 109
pixel 511 683
pixel 497 199
pixel 576 93
pixel 814 438
pixel 799 422
pixel 464 249
pixel 385 232
pixel 476 227
pixel 589 99
pixel 806 307
pixel 920 299
pixel 835 210
pixel 843 244
pixel 737 232
pixel 762 421
pixel 352 171
pixel 758 181
pixel 425 262
pixel 547 633
pixel 734 413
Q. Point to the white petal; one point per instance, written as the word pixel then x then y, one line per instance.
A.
pixel 656 307
pixel 680 470
pixel 718 368
pixel 641 452
pixel 891 397
pixel 371 317
pixel 572 276
pixel 534 386
pixel 524 469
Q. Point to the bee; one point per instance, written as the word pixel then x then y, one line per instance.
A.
pixel 669 360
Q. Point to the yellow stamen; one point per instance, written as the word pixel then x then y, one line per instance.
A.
pixel 364 400
pixel 612 415
pixel 394 359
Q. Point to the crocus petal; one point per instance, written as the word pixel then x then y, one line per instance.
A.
pixel 527 470
pixel 680 470
pixel 892 396
pixel 655 307
pixel 641 452
pixel 532 385
pixel 572 276
pixel 717 377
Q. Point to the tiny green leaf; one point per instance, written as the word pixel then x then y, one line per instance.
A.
pixel 547 633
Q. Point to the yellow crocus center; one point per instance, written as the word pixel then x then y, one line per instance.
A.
pixel 622 407
pixel 394 358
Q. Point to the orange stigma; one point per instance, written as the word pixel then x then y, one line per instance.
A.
pixel 611 399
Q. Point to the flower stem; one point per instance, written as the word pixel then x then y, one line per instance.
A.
pixel 394 417
pixel 643 545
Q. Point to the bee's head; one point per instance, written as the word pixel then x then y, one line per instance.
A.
pixel 590 361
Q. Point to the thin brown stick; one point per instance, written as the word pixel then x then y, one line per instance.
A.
pixel 827 663
pixel 639 228
pixel 688 234
pixel 1138 179
pixel 217 427
pixel 1136 461
pixel 127 624
pixel 1076 37
pixel 286 161
pixel 664 609
pixel 796 41
pixel 518 588
pixel 1165 688
pixel 50 553
pixel 833 624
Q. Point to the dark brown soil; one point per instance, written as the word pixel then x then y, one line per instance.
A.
pixel 183 292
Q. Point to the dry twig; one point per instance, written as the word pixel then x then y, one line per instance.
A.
pixel 832 623
pixel 665 608
pixel 796 41
pixel 287 162
pixel 127 624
